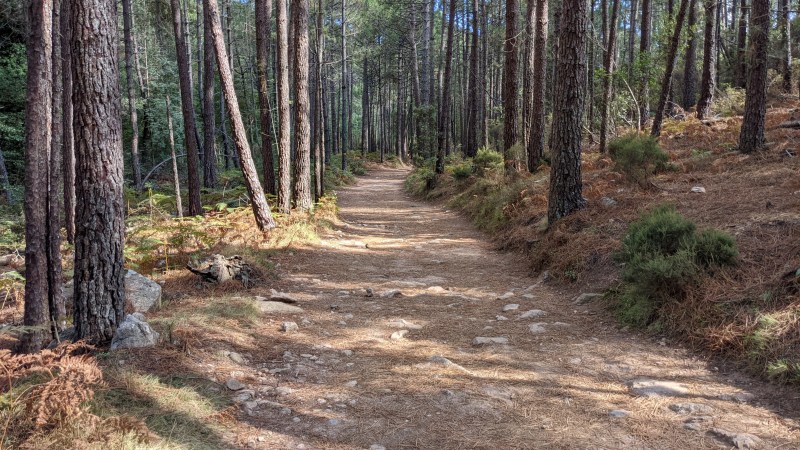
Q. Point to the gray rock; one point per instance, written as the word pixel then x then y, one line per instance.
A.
pixel 134 332
pixel 510 307
pixel 334 422
pixel 532 313
pixel 537 328
pixel 283 391
pixel 489 341
pixel 282 297
pixel 657 388
pixel 738 440
pixel 437 290
pixel 234 384
pixel 351 383
pixel 698 190
pixel 586 297
pixel 237 358
pixel 691 408
pixel 270 307
pixel 402 323
pixel 608 201
pixel 741 397
pixel 287 327
pixel 141 292
pixel 619 413
pixel 441 360
pixel 392 293
pixel 506 296
pixel 398 335
pixel 244 395
pixel 500 318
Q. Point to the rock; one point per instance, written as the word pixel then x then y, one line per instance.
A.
pixel 351 383
pixel 237 358
pixel 537 328
pixel 510 307
pixel 376 447
pixel 586 297
pixel 532 313
pixel 608 201
pixel 141 292
pixel 619 413
pixel 441 360
pixel 282 297
pixel 402 323
pixel 698 190
pixel 283 391
pixel 500 318
pixel 234 384
pixel 392 293
pixel 270 307
pixel 741 397
pixel 691 408
pixel 220 269
pixel 398 335
pixel 506 296
pixel 134 332
pixel 287 327
pixel 244 395
pixel 657 388
pixel 368 292
pixel 437 290
pixel 489 341
pixel 529 296
pixel 334 422
pixel 738 440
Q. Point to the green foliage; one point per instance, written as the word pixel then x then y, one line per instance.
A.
pixel 487 161
pixel 664 255
pixel 638 156
pixel 730 102
pixel 426 141
pixel 12 228
pixel 461 170
pixel 13 70
pixel 418 183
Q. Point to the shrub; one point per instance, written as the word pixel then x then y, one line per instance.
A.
pixel 418 183
pixel 487 160
pixel 664 255
pixel 461 170
pixel 638 156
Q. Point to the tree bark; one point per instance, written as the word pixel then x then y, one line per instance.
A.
pixel 320 129
pixel 302 124
pixel 666 84
pixel 284 119
pixel 751 137
pixel 68 139
pixel 187 106
pixel 263 32
pixel 210 173
pixel 527 77
pixel 57 308
pixel 444 122
pixel 689 71
pixel 136 164
pixel 708 84
pixel 786 45
pixel 261 210
pixel 474 93
pixel 38 122
pixel 176 179
pixel 345 96
pixel 100 207
pixel 569 97
pixel 740 67
pixel 609 61
pixel 510 84
pixel 536 147
pixel 644 58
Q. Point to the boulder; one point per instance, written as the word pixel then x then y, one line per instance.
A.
pixel 134 332
pixel 586 297
pixel 737 440
pixel 141 292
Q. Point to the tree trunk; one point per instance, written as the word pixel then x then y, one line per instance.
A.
pixel 474 93
pixel 786 45
pixel 689 71
pixel 210 176
pixel 345 97
pixel 38 121
pixel 364 108
pixel 136 163
pixel 57 308
pixel 708 83
pixel 536 148
pixel 740 67
pixel 609 57
pixel 176 179
pixel 263 32
pixel 284 120
pixel 68 139
pixel 302 125
pixel 632 37
pixel 569 96
pixel 527 78
pixel 100 206
pixel 189 126
pixel 644 57
pixel 510 84
pixel 666 84
pixel 446 91
pixel 261 210
pixel 751 137
pixel 320 129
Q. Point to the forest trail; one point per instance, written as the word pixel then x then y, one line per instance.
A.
pixel 563 379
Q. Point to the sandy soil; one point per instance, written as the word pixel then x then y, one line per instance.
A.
pixel 553 384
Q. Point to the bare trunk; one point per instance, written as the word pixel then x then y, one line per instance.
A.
pixel 751 137
pixel 176 179
pixel 672 55
pixel 444 122
pixel 210 175
pixel 68 140
pixel 709 80
pixel 263 32
pixel 644 57
pixel 284 120
pixel 320 129
pixel 740 67
pixel 609 63
pixel 136 163
pixel 689 71
pixel 510 84
pixel 302 164
pixel 536 148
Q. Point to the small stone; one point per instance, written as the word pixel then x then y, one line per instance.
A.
pixel 529 296
pixel 657 388
pixel 343 293
pixel 282 297
pixel 532 313
pixel 586 297
pixel 537 328
pixel 738 440
pixel 283 391
pixel 270 307
pixel 347 316
pixel 691 408
pixel 237 358
pixel 234 384
pixel 368 292
pixel 619 413
pixel 244 395
pixel 698 190
pixel 334 422
pixel 402 323
pixel 351 384
pixel 500 318
pixel 510 307
pixel 398 335
pixel 489 341
pixel 437 290
pixel 285 411
pixel 347 352
pixel 295 419
pixel 608 201
pixel 506 296
pixel 392 293
pixel 289 326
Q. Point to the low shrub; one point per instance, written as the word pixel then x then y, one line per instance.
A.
pixel 487 160
pixel 638 156
pixel 664 255
pixel 419 182
pixel 461 170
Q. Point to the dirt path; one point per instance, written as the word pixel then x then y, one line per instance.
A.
pixel 561 379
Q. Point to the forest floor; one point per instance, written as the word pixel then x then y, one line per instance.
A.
pixel 562 375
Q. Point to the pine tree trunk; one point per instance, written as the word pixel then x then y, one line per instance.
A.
pixel 527 78
pixel 210 175
pixel 364 108
pixel 263 32
pixel 261 210
pixel 644 57
pixel 708 83
pixel 320 130
pixel 284 120
pixel 510 85
pixel 344 96
pixel 786 45
pixel 176 179
pixel 568 100
pixel 689 71
pixel 751 137
pixel 68 138
pixel 446 91
pixel 187 106
pixel 672 55
pixel 536 148
pixel 302 131
pixel 136 163
pixel 473 93
pixel 57 308
pixel 609 57
pixel 740 67
pixel 100 207
pixel 632 37
pixel 38 122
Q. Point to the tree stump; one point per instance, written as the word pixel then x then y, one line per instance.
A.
pixel 220 269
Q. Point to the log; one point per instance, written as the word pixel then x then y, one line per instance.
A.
pixel 220 269
pixel 793 124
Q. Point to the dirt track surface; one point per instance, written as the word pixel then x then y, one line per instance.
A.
pixel 553 384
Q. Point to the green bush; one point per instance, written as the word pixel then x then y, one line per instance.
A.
pixel 487 160
pixel 638 156
pixel 664 255
pixel 418 183
pixel 461 170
